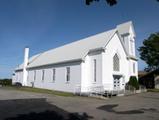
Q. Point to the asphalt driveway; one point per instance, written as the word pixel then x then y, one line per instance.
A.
pixel 19 105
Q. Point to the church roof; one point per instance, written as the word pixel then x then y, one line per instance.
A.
pixel 73 51
pixel 124 28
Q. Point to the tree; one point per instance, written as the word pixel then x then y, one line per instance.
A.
pixel 149 52
pixel 110 2
pixel 133 82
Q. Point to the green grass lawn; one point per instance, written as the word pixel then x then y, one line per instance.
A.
pixel 39 90
pixel 152 90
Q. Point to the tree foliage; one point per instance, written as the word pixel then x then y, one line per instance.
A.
pixel 110 2
pixel 133 82
pixel 5 82
pixel 149 52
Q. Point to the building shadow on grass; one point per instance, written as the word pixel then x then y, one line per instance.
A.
pixel 110 108
pixel 35 109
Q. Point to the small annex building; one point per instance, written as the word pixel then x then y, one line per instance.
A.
pixel 150 80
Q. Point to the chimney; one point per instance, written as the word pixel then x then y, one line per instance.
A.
pixel 25 63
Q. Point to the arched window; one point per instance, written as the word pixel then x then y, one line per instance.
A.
pixel 116 64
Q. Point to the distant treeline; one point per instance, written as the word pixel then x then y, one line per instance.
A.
pixel 5 82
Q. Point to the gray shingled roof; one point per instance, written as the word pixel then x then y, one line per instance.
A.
pixel 125 27
pixel 74 51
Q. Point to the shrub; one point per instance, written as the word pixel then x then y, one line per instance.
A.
pixel 5 82
pixel 133 82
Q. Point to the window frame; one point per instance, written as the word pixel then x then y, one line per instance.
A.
pixel 34 75
pixel 134 68
pixel 132 46
pixel 116 62
pixel 28 76
pixel 68 74
pixel 53 75
pixel 43 75
pixel 95 70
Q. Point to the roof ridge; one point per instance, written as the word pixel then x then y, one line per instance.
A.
pixel 68 51
pixel 74 42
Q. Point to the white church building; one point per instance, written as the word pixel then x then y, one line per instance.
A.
pixel 103 61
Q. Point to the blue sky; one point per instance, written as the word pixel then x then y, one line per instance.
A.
pixel 46 24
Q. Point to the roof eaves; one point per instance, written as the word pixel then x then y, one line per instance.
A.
pixel 110 38
pixel 20 69
pixel 57 63
pixel 132 57
pixel 96 49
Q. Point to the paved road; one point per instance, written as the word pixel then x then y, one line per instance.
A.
pixel 143 106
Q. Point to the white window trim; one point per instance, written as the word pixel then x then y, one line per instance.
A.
pixel 43 75
pixel 116 54
pixel 28 76
pixel 95 70
pixel 67 81
pixel 134 68
pixel 132 47
pixel 34 75
pixel 53 75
